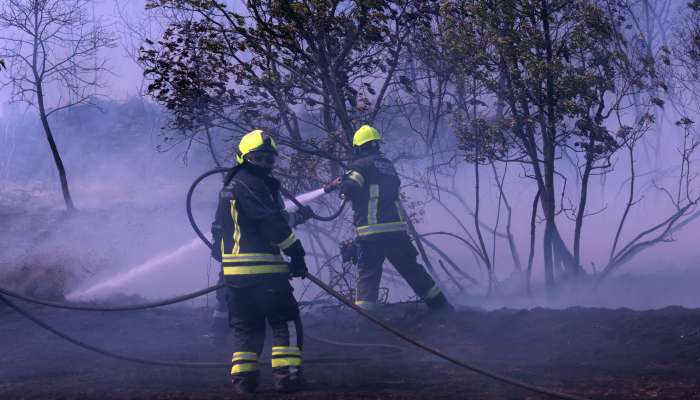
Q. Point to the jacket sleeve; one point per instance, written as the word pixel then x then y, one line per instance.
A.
pixel 256 203
pixel 217 227
pixel 294 218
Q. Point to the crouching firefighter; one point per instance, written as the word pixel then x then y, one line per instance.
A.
pixel 372 186
pixel 250 229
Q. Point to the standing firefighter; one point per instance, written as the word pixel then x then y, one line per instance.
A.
pixel 250 229
pixel 373 187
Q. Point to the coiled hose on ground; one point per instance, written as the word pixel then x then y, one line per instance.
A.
pixel 379 322
pixel 138 360
pixel 312 278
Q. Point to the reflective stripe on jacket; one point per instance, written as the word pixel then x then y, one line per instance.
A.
pixel 251 228
pixel 373 187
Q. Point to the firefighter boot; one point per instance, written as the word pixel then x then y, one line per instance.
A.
pixel 439 305
pixel 246 383
pixel 245 374
pixel 288 379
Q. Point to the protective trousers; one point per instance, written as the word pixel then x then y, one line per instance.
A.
pixel 249 310
pixel 397 247
pixel 219 328
pixel 221 309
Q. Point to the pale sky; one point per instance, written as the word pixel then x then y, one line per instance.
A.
pixel 125 77
pixel 128 20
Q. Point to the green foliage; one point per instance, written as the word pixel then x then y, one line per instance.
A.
pixel 190 73
pixel 284 67
pixel 560 68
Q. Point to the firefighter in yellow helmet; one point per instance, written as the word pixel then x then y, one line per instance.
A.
pixel 372 186
pixel 250 230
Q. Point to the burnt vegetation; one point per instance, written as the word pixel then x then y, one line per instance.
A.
pixel 546 147
pixel 558 93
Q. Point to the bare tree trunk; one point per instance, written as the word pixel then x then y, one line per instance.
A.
pixel 548 201
pixel 56 156
pixel 210 144
pixel 419 245
pixel 53 42
pixel 68 200
pixel 446 257
pixel 452 278
pixel 582 208
pixel 533 231
pixel 482 245
pixel 509 234
pixel 628 206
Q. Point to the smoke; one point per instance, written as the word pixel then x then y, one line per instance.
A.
pixel 160 263
pixel 132 202
pixel 130 198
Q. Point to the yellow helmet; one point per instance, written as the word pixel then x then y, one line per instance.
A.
pixel 253 141
pixel 365 134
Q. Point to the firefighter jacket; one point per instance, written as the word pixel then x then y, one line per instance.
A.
pixel 251 228
pixel 372 186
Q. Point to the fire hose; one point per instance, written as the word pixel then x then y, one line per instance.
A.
pixel 138 360
pixel 312 278
pixel 318 282
pixel 227 179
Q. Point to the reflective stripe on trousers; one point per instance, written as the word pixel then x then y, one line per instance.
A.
pixel 286 356
pixel 366 305
pixel 244 362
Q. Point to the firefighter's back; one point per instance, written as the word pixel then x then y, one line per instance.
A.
pixel 375 201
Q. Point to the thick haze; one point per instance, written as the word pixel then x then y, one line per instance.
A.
pixel 134 196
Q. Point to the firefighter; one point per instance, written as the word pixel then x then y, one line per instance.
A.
pixel 219 326
pixel 250 230
pixel 372 186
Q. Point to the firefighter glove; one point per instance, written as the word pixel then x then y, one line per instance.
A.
pixel 303 214
pixel 297 267
pixel 349 251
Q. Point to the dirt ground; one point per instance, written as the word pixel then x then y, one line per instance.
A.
pixel 598 353
pixel 617 354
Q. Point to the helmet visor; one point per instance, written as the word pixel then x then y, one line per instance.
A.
pixel 264 159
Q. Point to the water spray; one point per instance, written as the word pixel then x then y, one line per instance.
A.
pixel 164 259
pixel 156 261
pixel 138 271
pixel 304 199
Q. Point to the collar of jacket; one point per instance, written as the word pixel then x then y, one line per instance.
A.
pixel 367 153
pixel 263 174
